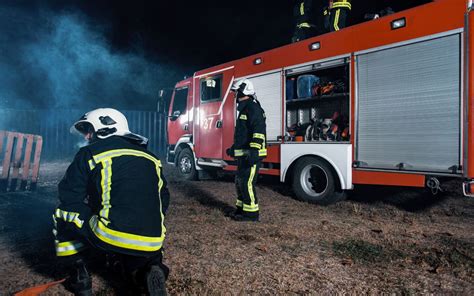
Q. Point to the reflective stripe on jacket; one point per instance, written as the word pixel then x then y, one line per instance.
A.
pixel 118 188
pixel 250 129
pixel 341 4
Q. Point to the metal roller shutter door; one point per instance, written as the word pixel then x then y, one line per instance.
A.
pixel 268 89
pixel 409 106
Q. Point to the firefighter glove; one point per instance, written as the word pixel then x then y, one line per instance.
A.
pixel 253 156
pixel 230 151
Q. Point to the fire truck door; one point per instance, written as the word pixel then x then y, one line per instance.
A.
pixel 213 98
pixel 178 123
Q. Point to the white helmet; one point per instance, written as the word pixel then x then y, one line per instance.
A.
pixel 244 86
pixel 105 122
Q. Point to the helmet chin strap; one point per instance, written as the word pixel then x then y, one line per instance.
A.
pixel 240 94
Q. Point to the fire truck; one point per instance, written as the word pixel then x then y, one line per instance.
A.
pixel 384 102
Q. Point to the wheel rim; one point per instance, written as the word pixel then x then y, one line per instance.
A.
pixel 314 180
pixel 185 165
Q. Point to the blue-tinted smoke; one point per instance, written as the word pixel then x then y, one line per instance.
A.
pixel 64 61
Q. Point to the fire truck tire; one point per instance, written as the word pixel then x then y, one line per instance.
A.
pixel 186 166
pixel 314 181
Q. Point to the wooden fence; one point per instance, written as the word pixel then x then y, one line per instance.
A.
pixel 19 153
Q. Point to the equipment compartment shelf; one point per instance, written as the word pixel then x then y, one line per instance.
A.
pixel 295 102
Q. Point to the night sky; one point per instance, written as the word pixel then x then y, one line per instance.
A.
pixel 67 54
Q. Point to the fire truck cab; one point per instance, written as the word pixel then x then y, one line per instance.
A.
pixel 384 102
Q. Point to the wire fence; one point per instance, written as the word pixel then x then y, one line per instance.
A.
pixel 58 142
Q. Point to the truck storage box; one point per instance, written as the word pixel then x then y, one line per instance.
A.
pixel 305 84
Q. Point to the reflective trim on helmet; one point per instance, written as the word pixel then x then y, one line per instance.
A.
pixel 123 239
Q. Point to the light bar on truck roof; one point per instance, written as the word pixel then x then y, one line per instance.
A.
pixel 315 46
pixel 399 23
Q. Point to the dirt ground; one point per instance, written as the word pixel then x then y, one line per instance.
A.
pixel 381 240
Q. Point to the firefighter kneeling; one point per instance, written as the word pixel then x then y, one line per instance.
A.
pixel 249 149
pixel 113 198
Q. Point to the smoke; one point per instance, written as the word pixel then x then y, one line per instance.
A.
pixel 50 60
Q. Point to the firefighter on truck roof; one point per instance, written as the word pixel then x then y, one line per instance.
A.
pixel 318 17
pixel 336 14
pixel 113 198
pixel 303 14
pixel 249 149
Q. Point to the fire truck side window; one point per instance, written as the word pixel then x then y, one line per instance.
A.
pixel 211 89
pixel 180 100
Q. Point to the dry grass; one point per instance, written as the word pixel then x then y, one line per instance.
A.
pixel 379 241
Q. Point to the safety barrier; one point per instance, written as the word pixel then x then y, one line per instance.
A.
pixel 19 161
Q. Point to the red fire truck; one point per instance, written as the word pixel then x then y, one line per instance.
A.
pixel 384 102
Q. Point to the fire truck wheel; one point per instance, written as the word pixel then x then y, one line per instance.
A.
pixel 186 166
pixel 314 181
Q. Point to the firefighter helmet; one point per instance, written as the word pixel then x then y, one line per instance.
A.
pixel 244 86
pixel 104 123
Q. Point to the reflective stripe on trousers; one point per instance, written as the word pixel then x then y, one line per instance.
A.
pixel 245 181
pixel 125 240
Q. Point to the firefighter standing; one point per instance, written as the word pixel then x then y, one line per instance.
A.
pixel 303 14
pixel 249 149
pixel 113 197
pixel 336 14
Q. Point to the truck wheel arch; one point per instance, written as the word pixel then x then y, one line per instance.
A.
pixel 180 148
pixel 288 173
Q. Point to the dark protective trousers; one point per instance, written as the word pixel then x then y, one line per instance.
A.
pixel 245 181
pixel 338 19
pixel 72 243
pixel 302 34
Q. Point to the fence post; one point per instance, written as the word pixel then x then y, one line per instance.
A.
pixel 16 161
pixel 36 165
pixel 25 173
pixel 6 162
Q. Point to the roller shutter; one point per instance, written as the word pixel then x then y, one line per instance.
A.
pixel 408 114
pixel 268 88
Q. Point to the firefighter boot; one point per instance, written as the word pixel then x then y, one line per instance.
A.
pixel 155 281
pixel 245 217
pixel 238 211
pixel 79 282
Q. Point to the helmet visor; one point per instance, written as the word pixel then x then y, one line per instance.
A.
pixel 82 127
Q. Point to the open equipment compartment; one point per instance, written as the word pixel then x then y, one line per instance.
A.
pixel 317 102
